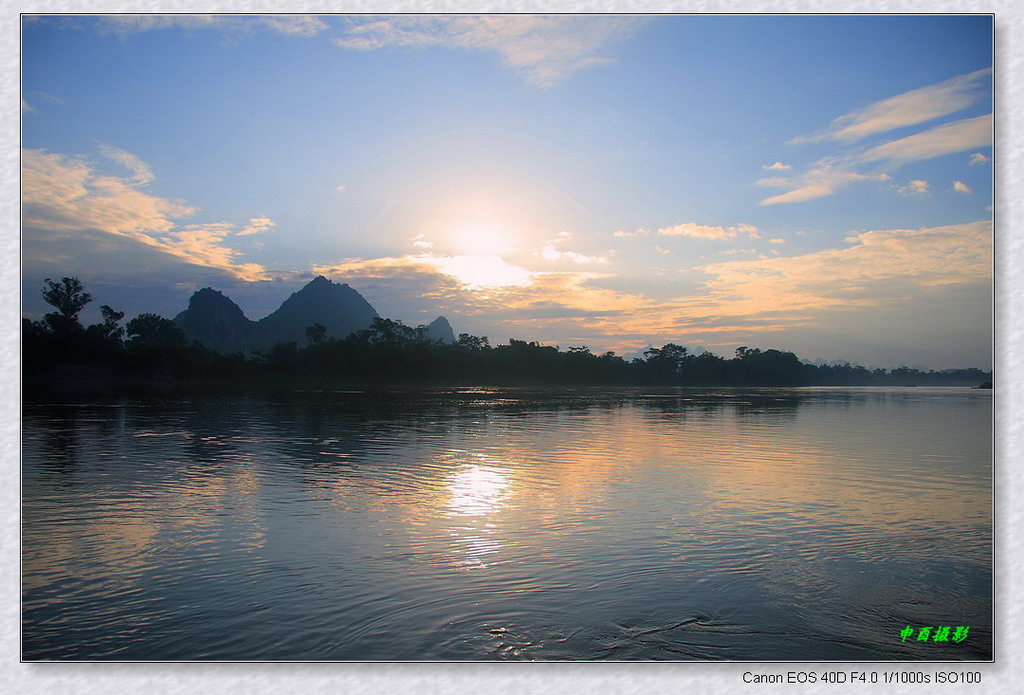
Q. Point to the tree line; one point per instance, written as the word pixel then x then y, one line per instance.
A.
pixel 150 346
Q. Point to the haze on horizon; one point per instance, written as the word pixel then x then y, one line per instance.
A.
pixel 820 184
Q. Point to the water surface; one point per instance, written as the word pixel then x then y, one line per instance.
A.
pixel 483 524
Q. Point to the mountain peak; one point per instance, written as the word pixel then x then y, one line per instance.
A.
pixel 440 330
pixel 218 323
pixel 337 307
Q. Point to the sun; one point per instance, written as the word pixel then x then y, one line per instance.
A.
pixel 483 239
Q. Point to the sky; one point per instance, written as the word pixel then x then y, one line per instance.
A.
pixel 815 183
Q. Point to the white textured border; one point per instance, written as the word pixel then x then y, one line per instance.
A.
pixel 532 678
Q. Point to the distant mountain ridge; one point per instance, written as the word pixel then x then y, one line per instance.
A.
pixel 214 320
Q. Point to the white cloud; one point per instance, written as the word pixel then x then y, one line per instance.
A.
pixel 419 241
pixel 545 49
pixel 777 166
pixel 910 108
pixel 961 187
pixel 979 158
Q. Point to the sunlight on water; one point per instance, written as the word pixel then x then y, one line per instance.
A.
pixel 509 524
pixel 477 489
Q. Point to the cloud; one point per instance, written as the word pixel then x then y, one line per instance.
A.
pixel 919 272
pixel 421 243
pixel 832 173
pixel 961 187
pixel 551 252
pixel 979 158
pixel 63 196
pixel 701 231
pixel 941 140
pixel 878 267
pixel 544 49
pixel 256 225
pixel 141 173
pixel 626 235
pixel 915 187
pixel 825 178
pixel 777 166
pixel 907 109
pixel 292 25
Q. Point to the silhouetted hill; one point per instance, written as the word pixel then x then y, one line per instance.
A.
pixel 217 322
pixel 337 307
pixel 440 331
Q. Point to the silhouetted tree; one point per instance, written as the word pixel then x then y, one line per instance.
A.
pixel 109 329
pixel 68 298
pixel 155 330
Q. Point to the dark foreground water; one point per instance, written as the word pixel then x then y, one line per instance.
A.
pixel 769 524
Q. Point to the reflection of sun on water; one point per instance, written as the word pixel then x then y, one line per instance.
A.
pixel 477 491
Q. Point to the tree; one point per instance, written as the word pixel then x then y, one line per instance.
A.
pixel 68 298
pixel 108 329
pixel 472 342
pixel 151 329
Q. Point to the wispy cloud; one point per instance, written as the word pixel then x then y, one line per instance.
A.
pixel 827 177
pixel 293 25
pixel 703 231
pixel 257 225
pixel 831 174
pixel 961 187
pixel 941 140
pixel 777 166
pixel 878 267
pixel 875 163
pixel 978 158
pixel 741 298
pixel 907 109
pixel 66 196
pixel 544 49
pixel 141 173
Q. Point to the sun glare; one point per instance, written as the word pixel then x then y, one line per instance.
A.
pixel 483 239
pixel 483 271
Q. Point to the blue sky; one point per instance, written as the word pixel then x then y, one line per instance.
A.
pixel 821 184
